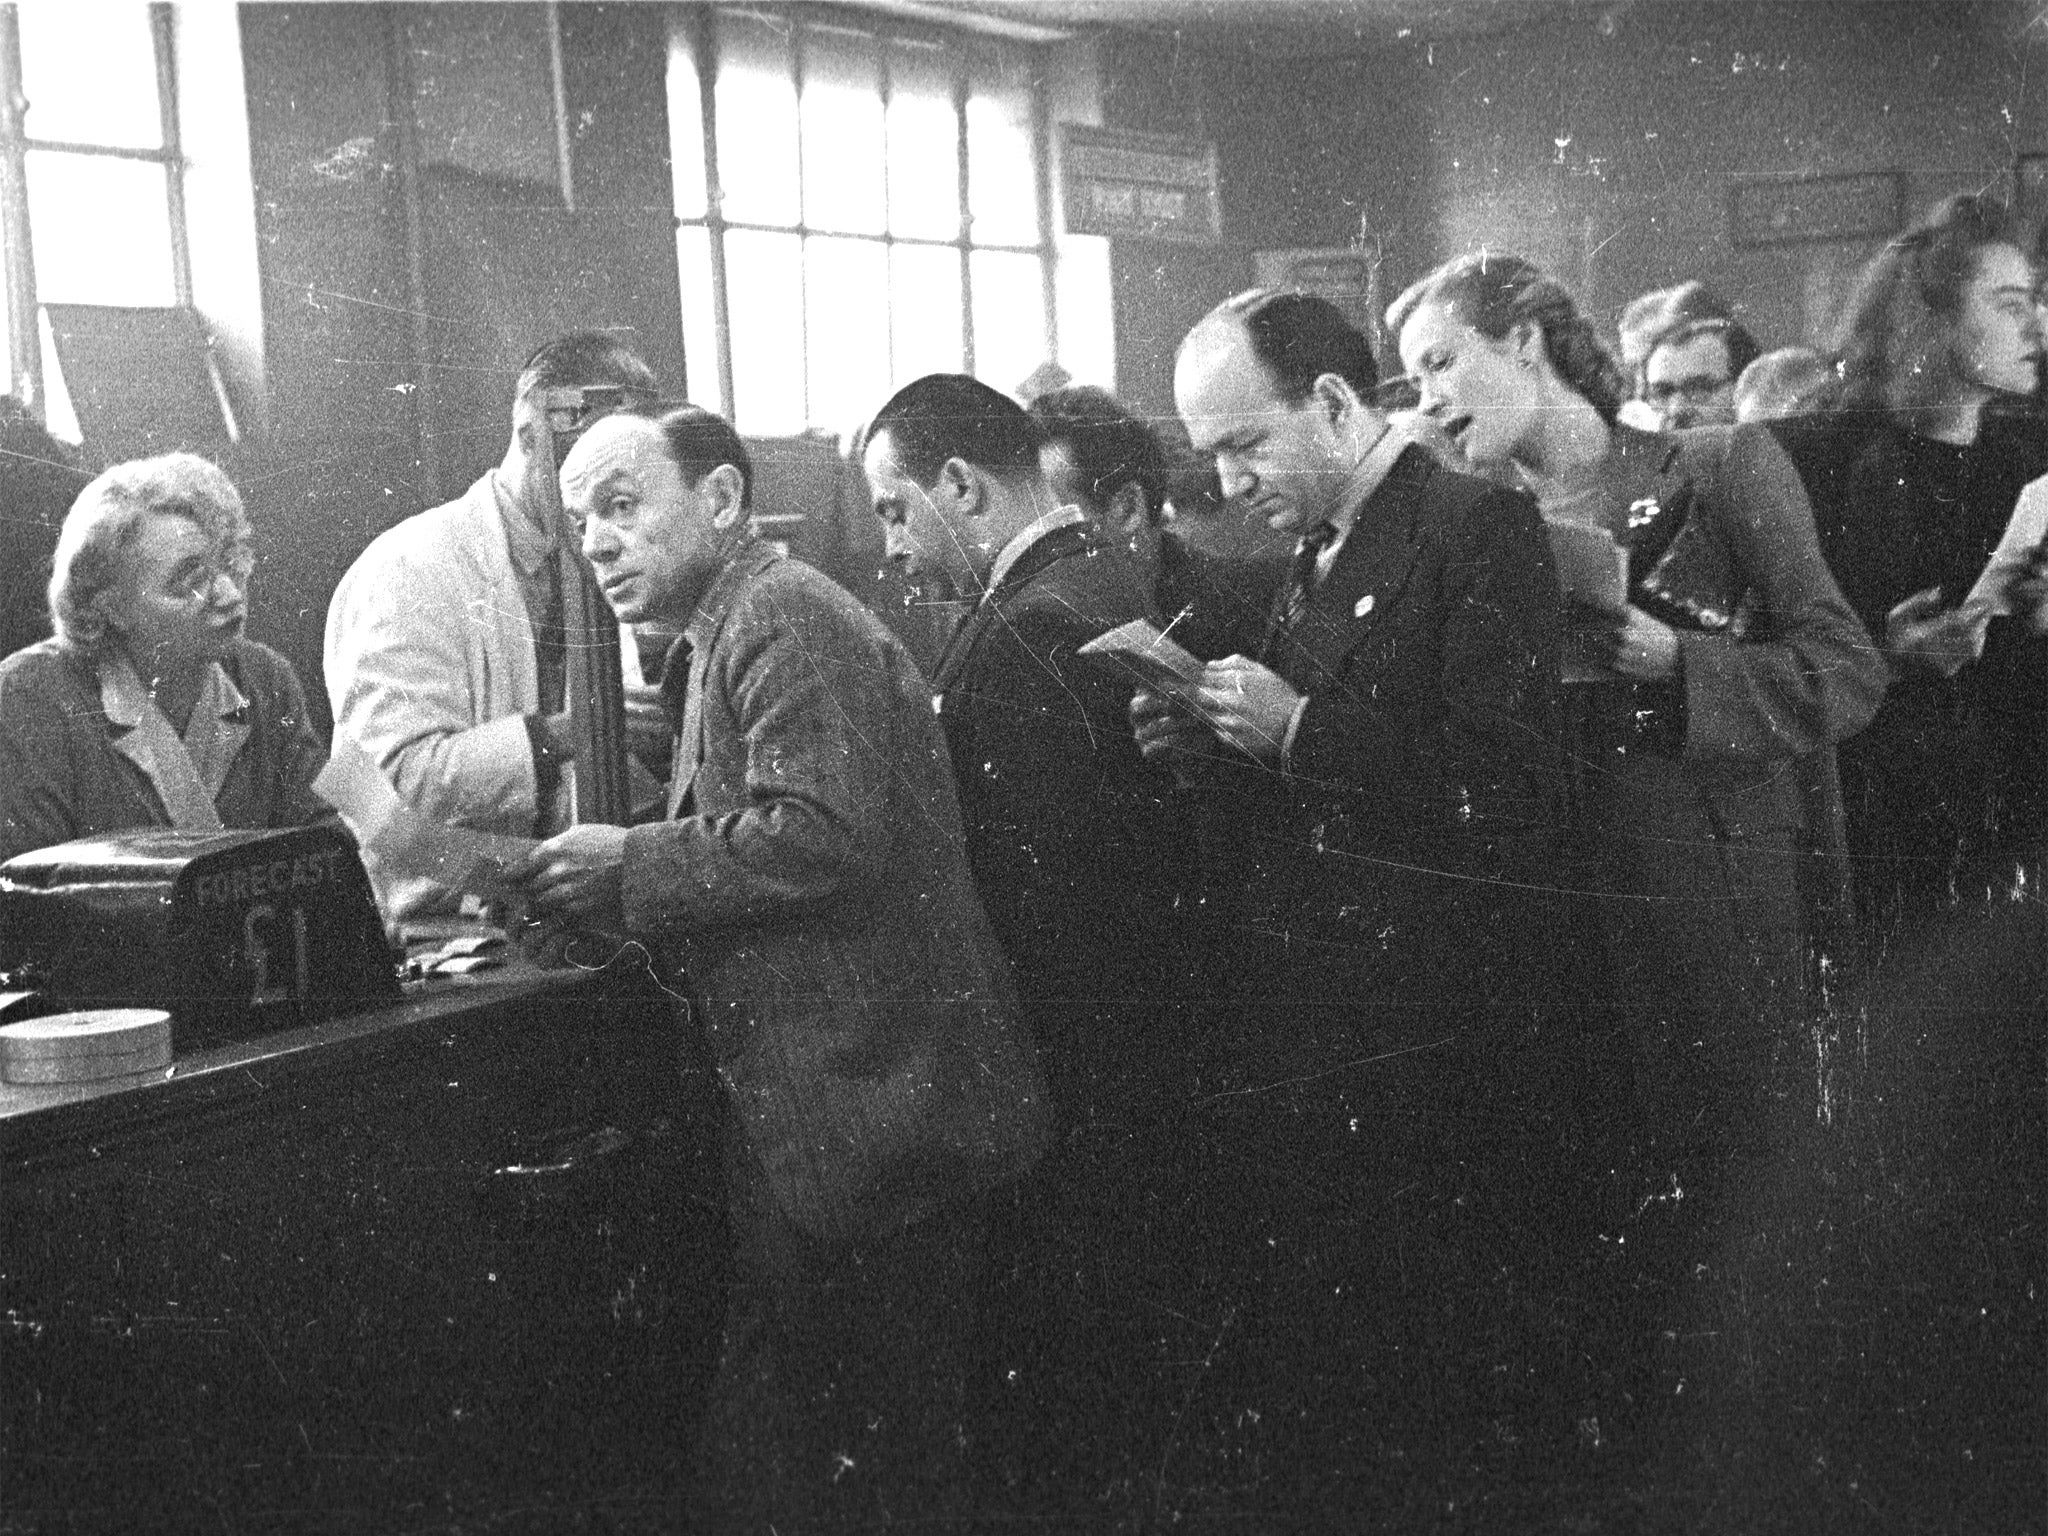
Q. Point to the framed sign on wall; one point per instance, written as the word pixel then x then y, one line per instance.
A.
pixel 1811 209
pixel 1152 186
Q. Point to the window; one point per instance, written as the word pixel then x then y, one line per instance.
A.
pixel 91 197
pixel 856 205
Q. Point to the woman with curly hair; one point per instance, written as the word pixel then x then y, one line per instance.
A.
pixel 150 707
pixel 1914 476
pixel 1719 654
pixel 1732 655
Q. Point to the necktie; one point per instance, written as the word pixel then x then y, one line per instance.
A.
pixel 1301 575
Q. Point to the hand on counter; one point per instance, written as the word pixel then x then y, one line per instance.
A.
pixel 575 879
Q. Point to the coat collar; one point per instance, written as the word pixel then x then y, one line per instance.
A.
pixel 1371 569
pixel 1056 541
pixel 749 559
pixel 186 772
pixel 1029 538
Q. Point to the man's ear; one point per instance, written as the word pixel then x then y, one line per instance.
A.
pixel 1334 397
pixel 1130 511
pixel 728 493
pixel 959 484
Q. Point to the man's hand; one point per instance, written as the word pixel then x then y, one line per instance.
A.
pixel 1166 729
pixel 575 879
pixel 561 731
pixel 1635 645
pixel 1921 634
pixel 2028 592
pixel 1248 705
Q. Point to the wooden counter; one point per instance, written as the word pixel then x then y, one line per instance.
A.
pixel 438 1264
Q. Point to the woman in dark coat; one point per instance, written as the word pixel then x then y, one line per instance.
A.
pixel 1715 654
pixel 150 707
pixel 1914 476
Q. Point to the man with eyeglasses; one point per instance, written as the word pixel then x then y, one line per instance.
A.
pixel 446 654
pixel 1689 375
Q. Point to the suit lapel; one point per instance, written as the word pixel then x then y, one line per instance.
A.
pixel 1060 544
pixel 1371 570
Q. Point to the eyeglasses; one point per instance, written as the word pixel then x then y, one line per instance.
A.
pixel 576 408
pixel 196 581
pixel 1697 389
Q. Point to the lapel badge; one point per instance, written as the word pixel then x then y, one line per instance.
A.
pixel 1362 607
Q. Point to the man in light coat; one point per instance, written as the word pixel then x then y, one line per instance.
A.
pixel 445 653
pixel 811 879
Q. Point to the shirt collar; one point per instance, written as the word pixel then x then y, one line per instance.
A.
pixel 1366 477
pixel 1028 535
pixel 123 698
pixel 527 541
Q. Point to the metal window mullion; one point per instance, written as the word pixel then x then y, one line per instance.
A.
pixel 706 56
pixel 966 237
pixel 109 151
pixel 1048 250
pixel 885 87
pixel 17 250
pixel 798 42
pixel 163 35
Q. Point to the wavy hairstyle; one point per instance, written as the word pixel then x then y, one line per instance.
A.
pixel 1894 344
pixel 1493 294
pixel 101 530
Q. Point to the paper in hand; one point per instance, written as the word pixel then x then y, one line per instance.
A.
pixel 1144 649
pixel 405 842
pixel 2023 536
pixel 1591 565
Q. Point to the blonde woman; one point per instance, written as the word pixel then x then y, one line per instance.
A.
pixel 150 707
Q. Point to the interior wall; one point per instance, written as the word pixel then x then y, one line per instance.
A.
pixel 1606 146
pixel 391 359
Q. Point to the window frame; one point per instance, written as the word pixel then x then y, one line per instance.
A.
pixel 699 26
pixel 17 244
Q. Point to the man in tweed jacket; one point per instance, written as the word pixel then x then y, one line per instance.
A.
pixel 810 879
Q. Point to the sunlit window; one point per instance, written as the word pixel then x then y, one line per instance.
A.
pixel 97 150
pixel 856 206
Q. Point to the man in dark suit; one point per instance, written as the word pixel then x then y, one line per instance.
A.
pixel 1379 782
pixel 809 880
pixel 1076 851
pixel 1069 832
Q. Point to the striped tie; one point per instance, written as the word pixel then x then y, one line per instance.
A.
pixel 1301 576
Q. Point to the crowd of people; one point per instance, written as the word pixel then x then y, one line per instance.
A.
pixel 1408 997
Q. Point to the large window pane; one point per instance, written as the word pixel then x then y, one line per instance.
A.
pixel 924 310
pixel 846 301
pixel 102 230
pixel 757 138
pixel 924 145
pixel 685 121
pixel 1002 182
pixel 89 72
pixel 764 284
pixel 700 317
pixel 842 133
pixel 1009 317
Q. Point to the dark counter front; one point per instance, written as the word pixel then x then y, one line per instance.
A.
pixel 452 1263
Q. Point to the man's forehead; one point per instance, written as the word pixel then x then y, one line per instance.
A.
pixel 615 445
pixel 1671 356
pixel 1218 378
pixel 879 459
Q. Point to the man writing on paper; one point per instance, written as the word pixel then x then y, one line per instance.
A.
pixel 446 655
pixel 1380 782
pixel 809 879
